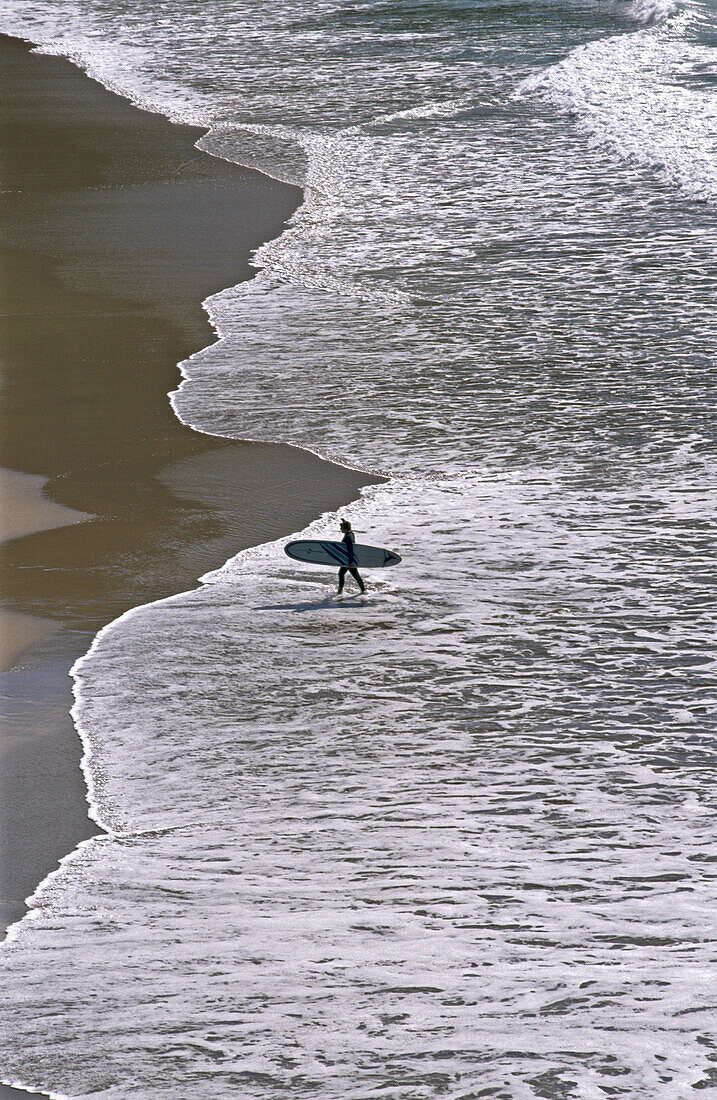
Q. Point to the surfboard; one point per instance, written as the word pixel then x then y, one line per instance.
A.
pixel 325 552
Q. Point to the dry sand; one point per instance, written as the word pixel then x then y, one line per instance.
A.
pixel 24 508
pixel 19 632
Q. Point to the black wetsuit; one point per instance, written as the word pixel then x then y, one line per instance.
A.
pixel 348 541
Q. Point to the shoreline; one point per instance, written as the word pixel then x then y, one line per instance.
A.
pixel 116 229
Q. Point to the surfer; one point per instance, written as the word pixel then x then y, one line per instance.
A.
pixel 348 541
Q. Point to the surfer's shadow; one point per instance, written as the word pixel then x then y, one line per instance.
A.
pixel 327 603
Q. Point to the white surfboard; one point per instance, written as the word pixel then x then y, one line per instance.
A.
pixel 326 552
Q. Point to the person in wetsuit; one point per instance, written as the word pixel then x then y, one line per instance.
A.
pixel 348 541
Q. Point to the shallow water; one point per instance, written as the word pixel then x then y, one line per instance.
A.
pixel 454 838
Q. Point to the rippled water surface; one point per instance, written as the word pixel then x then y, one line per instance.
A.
pixel 455 838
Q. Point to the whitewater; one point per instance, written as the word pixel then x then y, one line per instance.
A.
pixel 455 839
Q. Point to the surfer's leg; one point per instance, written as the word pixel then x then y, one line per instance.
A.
pixel 342 577
pixel 357 577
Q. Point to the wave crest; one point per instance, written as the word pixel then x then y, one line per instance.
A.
pixel 643 98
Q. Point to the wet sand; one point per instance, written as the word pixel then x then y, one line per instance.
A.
pixel 114 229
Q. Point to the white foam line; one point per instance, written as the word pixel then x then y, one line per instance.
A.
pixel 35 1092
pixel 615 90
pixel 645 12
pixel 342 463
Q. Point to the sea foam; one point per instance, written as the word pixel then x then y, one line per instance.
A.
pixel 645 97
pixel 358 846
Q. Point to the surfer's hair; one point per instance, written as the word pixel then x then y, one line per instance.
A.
pixel 345 523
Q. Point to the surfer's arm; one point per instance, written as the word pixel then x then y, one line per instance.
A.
pixel 349 544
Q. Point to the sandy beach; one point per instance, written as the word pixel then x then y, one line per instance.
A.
pixel 115 228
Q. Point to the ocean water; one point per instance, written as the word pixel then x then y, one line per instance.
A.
pixel 455 839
